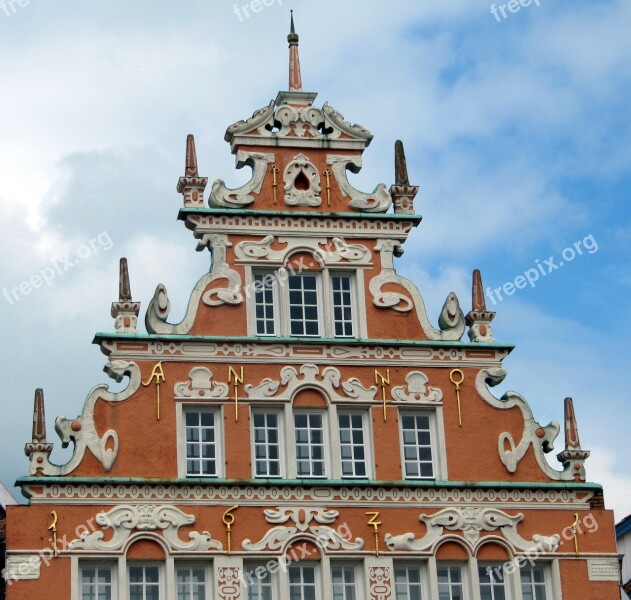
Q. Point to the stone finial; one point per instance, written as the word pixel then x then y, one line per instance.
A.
pixel 124 287
pixel 400 165
pixel 479 319
pixel 192 186
pixel 38 449
pixel 402 192
pixel 39 417
pixel 573 457
pixel 125 311
pixel 191 157
pixel 295 77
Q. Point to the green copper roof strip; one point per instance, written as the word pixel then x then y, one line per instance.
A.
pixel 299 340
pixel 297 213
pixel 311 482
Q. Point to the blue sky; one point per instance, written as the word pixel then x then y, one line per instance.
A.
pixel 517 132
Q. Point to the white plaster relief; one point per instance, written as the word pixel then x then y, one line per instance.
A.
pixel 379 201
pixel 160 306
pixel 326 382
pixel 541 437
pixel 22 567
pixel 82 432
pixel 451 321
pixel 472 521
pixel 313 523
pixel 125 519
pixel 201 386
pixel 603 569
pixel 302 183
pixel 417 390
pixel 329 253
pixel 306 123
pixel 223 197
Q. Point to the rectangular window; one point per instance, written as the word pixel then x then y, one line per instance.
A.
pixel 408 582
pixel 450 582
pixel 353 442
pixel 310 449
pixel 303 305
pixel 342 289
pixel 344 578
pixel 533 582
pixel 191 583
pixel 202 443
pixel 303 582
pixel 259 582
pixel 144 582
pixel 416 435
pixel 267 444
pixel 492 582
pixel 264 300
pixel 97 582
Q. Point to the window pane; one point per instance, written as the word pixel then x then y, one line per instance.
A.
pixel 417 446
pixel 407 582
pixel 342 306
pixel 352 441
pixel 303 305
pixel 96 583
pixel 266 444
pixel 201 443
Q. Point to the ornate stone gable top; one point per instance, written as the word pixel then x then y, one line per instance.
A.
pixel 293 121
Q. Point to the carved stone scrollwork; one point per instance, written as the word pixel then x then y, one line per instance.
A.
pixel 302 183
pixel 329 253
pixel 223 197
pixel 451 320
pixel 379 201
pixel 541 438
pixel 472 521
pixel 81 430
pixel 328 382
pixel 160 306
pixel 201 386
pixel 124 519
pixel 379 579
pixel 417 390
pixel 315 522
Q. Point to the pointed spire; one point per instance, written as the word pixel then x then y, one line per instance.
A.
pixel 39 418
pixel 124 287
pixel 572 441
pixel 479 319
pixel 400 165
pixel 191 157
pixel 295 78
pixel 478 302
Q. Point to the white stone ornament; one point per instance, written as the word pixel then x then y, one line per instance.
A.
pixel 302 183
pixel 125 519
pixel 201 386
pixel 417 390
pixel 451 321
pixel 473 522
pixel 310 523
pixel 379 201
pixel 223 197
pixel 82 432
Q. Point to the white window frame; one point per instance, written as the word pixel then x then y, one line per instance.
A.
pixel 358 573
pixel 204 566
pixel 464 576
pixel 317 576
pixel 367 445
pixel 547 578
pixel 424 583
pixel 144 565
pixel 437 463
pixel 282 452
pixel 326 451
pixel 181 411
pixel 505 580
pixel 254 566
pixel 326 326
pixel 111 566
